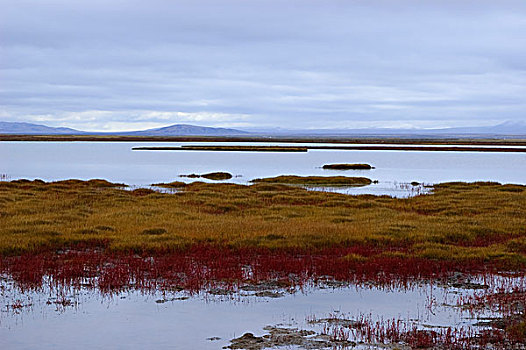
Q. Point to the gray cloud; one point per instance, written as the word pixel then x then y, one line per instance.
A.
pixel 304 63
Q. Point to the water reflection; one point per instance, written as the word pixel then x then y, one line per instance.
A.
pixel 209 320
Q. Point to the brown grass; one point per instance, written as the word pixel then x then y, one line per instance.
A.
pixel 316 180
pixel 219 175
pixel 482 221
pixel 174 184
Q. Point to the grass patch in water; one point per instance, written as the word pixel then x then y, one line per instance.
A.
pixel 226 148
pixel 246 148
pixel 217 176
pixel 316 180
pixel 348 166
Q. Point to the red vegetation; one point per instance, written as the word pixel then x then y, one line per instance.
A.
pixel 204 266
pixel 395 331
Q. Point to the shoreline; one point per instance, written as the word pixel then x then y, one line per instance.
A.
pixel 489 141
pixel 216 148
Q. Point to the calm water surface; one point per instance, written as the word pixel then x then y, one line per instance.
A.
pixel 116 162
pixel 133 320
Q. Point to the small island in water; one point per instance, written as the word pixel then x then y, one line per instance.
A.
pixel 348 166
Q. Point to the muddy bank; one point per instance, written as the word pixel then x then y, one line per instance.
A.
pixel 287 337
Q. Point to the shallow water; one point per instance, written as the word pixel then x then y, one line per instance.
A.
pixel 116 162
pixel 134 320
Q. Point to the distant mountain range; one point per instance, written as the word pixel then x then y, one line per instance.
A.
pixel 187 130
pixel 34 129
pixel 504 129
pixel 173 130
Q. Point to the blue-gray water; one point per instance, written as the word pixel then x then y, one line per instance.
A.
pixel 115 161
pixel 131 320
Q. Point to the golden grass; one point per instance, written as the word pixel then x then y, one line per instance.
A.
pixel 316 180
pixel 174 184
pixel 458 221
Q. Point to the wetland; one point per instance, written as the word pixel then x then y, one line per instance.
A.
pixel 296 259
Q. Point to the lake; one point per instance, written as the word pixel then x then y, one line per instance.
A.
pixel 116 162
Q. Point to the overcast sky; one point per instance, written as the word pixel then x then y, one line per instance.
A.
pixel 121 65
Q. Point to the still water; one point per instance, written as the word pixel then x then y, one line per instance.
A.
pixel 133 320
pixel 116 162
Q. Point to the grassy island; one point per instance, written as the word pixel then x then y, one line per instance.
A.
pixel 316 180
pixel 348 166
pixel 219 175
pixel 226 148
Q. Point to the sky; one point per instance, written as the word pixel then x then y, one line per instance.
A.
pixel 295 64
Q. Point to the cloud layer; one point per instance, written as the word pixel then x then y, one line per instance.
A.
pixel 100 65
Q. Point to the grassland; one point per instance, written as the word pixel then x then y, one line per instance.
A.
pixel 315 180
pixel 480 221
